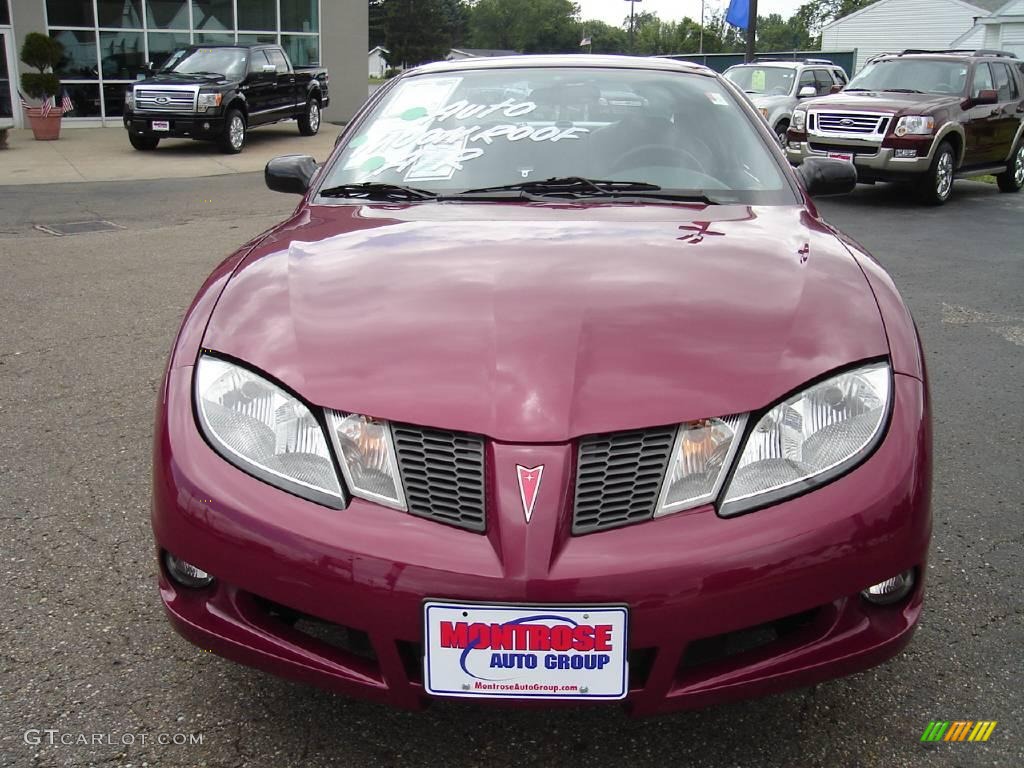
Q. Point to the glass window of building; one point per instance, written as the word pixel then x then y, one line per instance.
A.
pixel 5 13
pixel 69 13
pixel 108 42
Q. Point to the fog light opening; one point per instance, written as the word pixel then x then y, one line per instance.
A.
pixel 890 591
pixel 186 574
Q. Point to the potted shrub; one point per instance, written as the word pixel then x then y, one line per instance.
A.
pixel 43 53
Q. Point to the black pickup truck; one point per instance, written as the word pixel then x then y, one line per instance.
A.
pixel 218 92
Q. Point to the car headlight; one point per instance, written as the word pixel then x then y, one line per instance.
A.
pixel 129 98
pixel 701 456
pixel 366 451
pixel 208 100
pixel 915 125
pixel 810 438
pixel 265 431
pixel 799 119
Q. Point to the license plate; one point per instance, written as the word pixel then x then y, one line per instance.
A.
pixel 525 652
pixel 847 156
pixel 161 125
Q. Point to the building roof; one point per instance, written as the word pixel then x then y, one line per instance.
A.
pixel 378 49
pixel 988 5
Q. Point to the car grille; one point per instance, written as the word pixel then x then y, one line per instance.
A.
pixel 618 478
pixel 850 123
pixel 860 150
pixel 165 99
pixel 443 474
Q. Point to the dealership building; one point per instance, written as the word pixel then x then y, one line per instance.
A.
pixel 108 42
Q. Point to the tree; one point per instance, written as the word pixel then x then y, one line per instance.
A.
pixel 416 31
pixel 774 34
pixel 604 38
pixel 527 26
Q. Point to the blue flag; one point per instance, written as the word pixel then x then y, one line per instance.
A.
pixel 739 13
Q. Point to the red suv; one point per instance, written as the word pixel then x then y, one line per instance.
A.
pixel 922 117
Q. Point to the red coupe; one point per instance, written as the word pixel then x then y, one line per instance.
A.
pixel 555 386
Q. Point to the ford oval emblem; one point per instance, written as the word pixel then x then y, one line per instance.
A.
pixel 161 99
pixel 846 121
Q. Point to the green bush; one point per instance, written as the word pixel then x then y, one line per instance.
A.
pixel 44 54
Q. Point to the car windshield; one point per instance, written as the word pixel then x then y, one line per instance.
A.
pixel 764 81
pixel 229 62
pixel 467 130
pixel 913 75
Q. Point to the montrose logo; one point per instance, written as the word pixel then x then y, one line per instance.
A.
pixel 529 484
pixel 529 642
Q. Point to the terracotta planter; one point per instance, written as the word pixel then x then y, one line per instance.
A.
pixel 44 128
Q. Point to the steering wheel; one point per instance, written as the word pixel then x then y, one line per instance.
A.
pixel 628 159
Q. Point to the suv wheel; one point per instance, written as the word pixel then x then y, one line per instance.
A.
pixel 233 138
pixel 1012 179
pixel 937 185
pixel 309 121
pixel 780 132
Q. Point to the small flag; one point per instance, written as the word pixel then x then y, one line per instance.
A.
pixel 21 98
pixel 47 107
pixel 584 41
pixel 739 13
pixel 66 105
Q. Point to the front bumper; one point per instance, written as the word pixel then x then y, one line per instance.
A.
pixel 874 161
pixel 201 125
pixel 698 587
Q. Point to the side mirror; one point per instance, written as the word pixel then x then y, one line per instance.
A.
pixel 290 174
pixel 807 92
pixel 836 88
pixel 986 97
pixel 824 176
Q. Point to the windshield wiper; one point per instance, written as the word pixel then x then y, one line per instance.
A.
pixel 373 190
pixel 901 90
pixel 571 186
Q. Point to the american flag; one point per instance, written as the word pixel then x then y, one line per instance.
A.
pixel 47 107
pixel 21 98
pixel 66 105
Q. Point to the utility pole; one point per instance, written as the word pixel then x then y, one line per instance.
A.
pixel 701 27
pixel 751 31
pixel 632 23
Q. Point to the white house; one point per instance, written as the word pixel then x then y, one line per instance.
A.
pixel 377 63
pixel 895 25
pixel 1003 30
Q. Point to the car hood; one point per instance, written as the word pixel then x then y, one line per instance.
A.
pixel 876 101
pixel 174 78
pixel 539 323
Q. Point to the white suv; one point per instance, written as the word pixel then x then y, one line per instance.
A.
pixel 775 87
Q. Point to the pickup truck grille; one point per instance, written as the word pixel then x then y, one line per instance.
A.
pixel 166 99
pixel 850 123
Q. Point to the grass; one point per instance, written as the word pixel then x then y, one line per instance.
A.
pixel 986 179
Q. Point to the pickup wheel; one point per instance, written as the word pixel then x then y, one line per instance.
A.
pixel 1012 179
pixel 143 143
pixel 936 186
pixel 309 121
pixel 233 138
pixel 780 131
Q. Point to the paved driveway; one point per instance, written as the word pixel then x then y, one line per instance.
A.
pixel 85 324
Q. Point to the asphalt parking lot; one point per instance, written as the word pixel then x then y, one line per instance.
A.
pixel 85 324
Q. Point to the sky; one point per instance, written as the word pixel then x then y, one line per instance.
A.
pixel 614 11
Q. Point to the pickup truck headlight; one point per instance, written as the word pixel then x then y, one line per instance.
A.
pixel 915 125
pixel 799 119
pixel 265 431
pixel 209 100
pixel 810 438
pixel 129 98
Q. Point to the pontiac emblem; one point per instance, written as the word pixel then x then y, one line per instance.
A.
pixel 529 484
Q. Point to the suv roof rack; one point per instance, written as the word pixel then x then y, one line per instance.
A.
pixel 964 51
pixel 787 60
